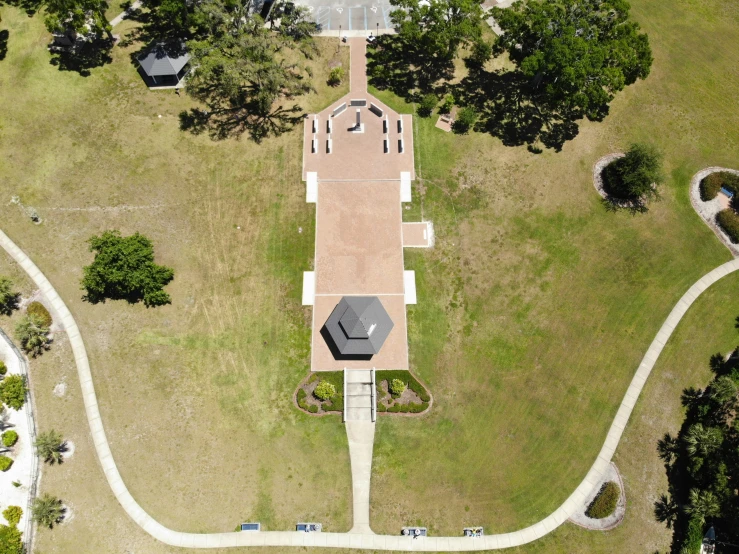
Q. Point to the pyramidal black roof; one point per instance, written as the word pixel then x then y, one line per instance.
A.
pixel 164 59
pixel 359 325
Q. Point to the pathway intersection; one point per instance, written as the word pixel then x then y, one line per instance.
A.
pixel 360 431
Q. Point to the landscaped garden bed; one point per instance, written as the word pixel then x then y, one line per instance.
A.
pixel 321 393
pixel 398 391
pixel 713 194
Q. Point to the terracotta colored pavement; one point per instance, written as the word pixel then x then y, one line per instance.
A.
pixel 358 68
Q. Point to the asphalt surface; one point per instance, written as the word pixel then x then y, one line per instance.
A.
pixel 350 16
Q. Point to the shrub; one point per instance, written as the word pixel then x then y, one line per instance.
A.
pixel 32 334
pixel 336 404
pixel 324 390
pixel 381 407
pixel 5 463
pixel 13 391
pixel 464 121
pixel 3 368
pixel 12 514
pixel 635 175
pixel 397 387
pixel 336 76
pixel 37 308
pixel 448 104
pixel 8 297
pixel 301 399
pixel 427 104
pixel 11 541
pixel 10 438
pixel 313 409
pixel 417 408
pixel 404 408
pixel 124 269
pixel 394 409
pixel 604 504
pixel 407 377
pixel 728 220
pixel 710 186
pixel 693 537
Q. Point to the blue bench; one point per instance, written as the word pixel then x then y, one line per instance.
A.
pixel 251 526
pixel 727 192
pixel 309 527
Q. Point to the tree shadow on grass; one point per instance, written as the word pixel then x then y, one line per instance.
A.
pixel 223 123
pixel 83 57
pixel 28 6
pixel 4 35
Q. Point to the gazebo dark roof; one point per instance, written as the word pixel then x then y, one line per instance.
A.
pixel 164 59
pixel 358 326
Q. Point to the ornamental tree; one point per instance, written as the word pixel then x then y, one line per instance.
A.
pixel 8 296
pixel 636 175
pixel 124 269
pixel 577 54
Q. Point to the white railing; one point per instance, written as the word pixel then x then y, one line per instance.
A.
pixel 373 392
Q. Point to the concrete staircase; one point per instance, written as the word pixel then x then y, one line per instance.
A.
pixel 359 395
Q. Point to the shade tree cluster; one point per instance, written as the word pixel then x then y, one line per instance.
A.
pixel 570 58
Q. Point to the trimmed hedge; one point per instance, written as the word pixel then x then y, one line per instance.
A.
pixel 728 220
pixel 38 309
pixel 301 398
pixel 10 438
pixel 604 504
pixel 5 463
pixel 3 368
pixel 407 377
pixel 711 184
pixel 313 409
pixel 336 404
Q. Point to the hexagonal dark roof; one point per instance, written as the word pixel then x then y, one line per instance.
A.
pixel 359 325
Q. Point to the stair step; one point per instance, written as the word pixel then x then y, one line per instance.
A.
pixel 358 414
pixel 358 389
pixel 358 401
pixel 358 376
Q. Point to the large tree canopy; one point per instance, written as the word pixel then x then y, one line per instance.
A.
pixel 81 16
pixel 578 53
pixel 244 69
pixel 429 35
pixel 124 268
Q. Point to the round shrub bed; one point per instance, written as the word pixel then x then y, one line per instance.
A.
pixel 321 395
pixel 605 502
pixel 398 391
pixel 728 220
pixel 38 309
pixel 324 391
pixel 10 438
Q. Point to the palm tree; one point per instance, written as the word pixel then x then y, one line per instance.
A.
pixel 703 504
pixel 665 510
pixel 32 334
pixel 701 440
pixel 667 448
pixel 47 510
pixel 723 390
pixel 50 447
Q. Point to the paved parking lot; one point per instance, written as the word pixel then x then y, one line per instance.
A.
pixel 350 16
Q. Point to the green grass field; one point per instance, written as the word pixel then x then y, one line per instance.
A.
pixel 535 307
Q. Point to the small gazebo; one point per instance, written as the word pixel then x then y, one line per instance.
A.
pixel 165 65
pixel 357 328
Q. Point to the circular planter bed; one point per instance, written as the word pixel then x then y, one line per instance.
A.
pixel 611 521
pixel 633 204
pixel 709 209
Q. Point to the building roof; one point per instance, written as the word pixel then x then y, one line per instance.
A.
pixel 359 326
pixel 164 59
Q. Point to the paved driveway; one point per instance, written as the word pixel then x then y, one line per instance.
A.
pixel 350 15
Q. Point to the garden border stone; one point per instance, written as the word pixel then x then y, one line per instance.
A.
pixel 708 210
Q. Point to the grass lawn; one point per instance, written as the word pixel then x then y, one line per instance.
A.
pixel 195 396
pixel 536 305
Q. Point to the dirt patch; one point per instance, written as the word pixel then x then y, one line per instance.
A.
pixel 60 389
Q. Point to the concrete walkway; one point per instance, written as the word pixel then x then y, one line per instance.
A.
pixel 361 539
pixel 124 14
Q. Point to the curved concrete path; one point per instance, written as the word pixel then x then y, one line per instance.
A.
pixel 355 540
